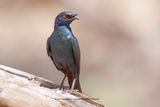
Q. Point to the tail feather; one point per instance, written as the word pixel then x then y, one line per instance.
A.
pixel 77 85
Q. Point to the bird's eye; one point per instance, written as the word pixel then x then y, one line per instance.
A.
pixel 67 17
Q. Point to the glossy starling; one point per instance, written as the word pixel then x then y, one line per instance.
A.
pixel 64 51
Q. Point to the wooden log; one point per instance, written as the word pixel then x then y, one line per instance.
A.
pixel 21 89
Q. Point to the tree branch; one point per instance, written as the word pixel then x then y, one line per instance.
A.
pixel 21 89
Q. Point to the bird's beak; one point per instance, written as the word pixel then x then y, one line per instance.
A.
pixel 74 17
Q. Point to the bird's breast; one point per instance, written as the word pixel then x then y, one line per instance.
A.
pixel 62 47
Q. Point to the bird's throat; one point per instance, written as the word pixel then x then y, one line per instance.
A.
pixel 56 26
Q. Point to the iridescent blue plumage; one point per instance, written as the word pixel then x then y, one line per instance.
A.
pixel 63 49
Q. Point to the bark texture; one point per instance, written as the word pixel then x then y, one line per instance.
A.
pixel 21 89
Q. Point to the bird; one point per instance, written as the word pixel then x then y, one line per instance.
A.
pixel 64 51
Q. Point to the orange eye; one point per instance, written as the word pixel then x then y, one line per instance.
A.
pixel 67 17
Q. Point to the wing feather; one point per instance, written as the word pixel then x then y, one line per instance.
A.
pixel 48 48
pixel 76 53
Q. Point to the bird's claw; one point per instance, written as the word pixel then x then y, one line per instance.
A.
pixel 70 91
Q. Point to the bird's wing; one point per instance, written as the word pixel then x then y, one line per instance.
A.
pixel 76 53
pixel 49 52
pixel 49 49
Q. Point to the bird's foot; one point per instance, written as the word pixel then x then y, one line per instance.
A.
pixel 70 91
pixel 61 88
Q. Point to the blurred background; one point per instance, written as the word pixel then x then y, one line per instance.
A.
pixel 119 40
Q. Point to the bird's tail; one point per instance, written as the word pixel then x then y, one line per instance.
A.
pixel 77 84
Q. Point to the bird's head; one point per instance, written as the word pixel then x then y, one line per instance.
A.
pixel 65 18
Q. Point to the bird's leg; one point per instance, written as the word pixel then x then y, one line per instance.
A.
pixel 73 84
pixel 72 87
pixel 62 82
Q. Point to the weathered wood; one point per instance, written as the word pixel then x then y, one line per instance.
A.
pixel 21 89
